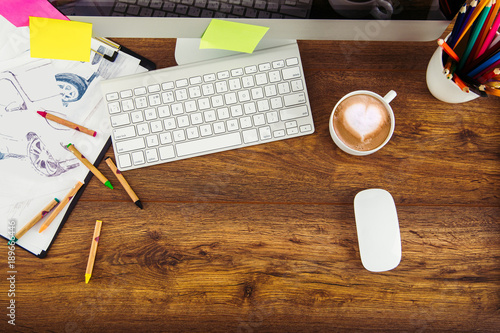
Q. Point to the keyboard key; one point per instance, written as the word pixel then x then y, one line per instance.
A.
pixel 140 91
pixel 124 132
pixel 112 97
pixel 292 113
pixel 126 93
pixel 124 161
pixel 151 155
pixel 292 61
pixel 127 105
pixel 165 138
pixel 129 145
pixel 250 136
pixel 265 133
pixel 138 158
pixel 167 85
pixel 208 144
pixel 291 73
pixel 305 128
pixel 114 107
pixel 120 120
pixel 166 152
pixel 294 99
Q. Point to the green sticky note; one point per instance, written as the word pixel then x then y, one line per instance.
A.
pixel 60 39
pixel 233 36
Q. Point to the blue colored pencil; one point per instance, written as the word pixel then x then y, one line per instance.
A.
pixel 485 65
pixel 459 22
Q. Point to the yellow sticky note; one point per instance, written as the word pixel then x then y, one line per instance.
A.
pixel 60 39
pixel 227 35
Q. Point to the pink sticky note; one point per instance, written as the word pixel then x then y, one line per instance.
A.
pixel 18 12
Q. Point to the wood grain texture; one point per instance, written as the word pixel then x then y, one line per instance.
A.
pixel 263 239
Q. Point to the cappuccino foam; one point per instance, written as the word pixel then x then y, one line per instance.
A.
pixel 362 122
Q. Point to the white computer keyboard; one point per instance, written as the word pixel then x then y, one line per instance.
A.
pixel 192 110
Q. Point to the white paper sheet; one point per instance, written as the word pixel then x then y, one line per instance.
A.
pixel 35 165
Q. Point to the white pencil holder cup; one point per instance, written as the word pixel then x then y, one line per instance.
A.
pixel 440 86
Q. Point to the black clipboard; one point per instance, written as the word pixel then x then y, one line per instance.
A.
pixel 111 55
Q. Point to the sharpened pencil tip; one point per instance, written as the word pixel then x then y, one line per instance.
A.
pixel 139 204
pixel 87 278
pixel 108 184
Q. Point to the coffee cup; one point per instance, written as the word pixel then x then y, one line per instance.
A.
pixel 362 122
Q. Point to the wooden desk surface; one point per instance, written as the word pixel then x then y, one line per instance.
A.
pixel 263 239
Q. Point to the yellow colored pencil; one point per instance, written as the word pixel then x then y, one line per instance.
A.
pixel 62 204
pixel 93 250
pixel 89 165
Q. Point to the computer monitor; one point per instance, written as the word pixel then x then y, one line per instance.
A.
pixel 381 20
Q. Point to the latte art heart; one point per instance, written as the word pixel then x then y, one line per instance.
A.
pixel 363 120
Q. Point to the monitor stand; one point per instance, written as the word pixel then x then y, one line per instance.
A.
pixel 187 50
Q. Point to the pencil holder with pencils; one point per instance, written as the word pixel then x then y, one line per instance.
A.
pixel 466 65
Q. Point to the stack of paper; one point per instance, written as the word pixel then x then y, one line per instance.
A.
pixel 35 165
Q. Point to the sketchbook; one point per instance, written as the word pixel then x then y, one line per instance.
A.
pixel 35 165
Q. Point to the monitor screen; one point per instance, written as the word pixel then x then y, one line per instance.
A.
pixel 291 19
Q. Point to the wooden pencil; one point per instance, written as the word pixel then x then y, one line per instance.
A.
pixel 93 250
pixel 62 204
pixel 35 219
pixel 89 165
pixel 124 182
pixel 67 123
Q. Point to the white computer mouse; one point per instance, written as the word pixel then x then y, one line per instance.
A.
pixel 377 226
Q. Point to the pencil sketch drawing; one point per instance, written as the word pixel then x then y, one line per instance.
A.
pixel 22 142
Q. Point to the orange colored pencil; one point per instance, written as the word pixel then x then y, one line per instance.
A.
pixel 461 84
pixel 492 91
pixel 67 123
pixel 446 48
pixel 59 208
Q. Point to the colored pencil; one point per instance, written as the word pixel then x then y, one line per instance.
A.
pixel 62 204
pixel 89 165
pixel 35 219
pixel 124 182
pixel 488 30
pixel 93 250
pixel 476 30
pixel 448 49
pixel 491 34
pixel 490 75
pixel 474 15
pixel 67 123
pixel 458 25
pixel 461 84
pixel 486 66
pixel 491 91
pixel 485 28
